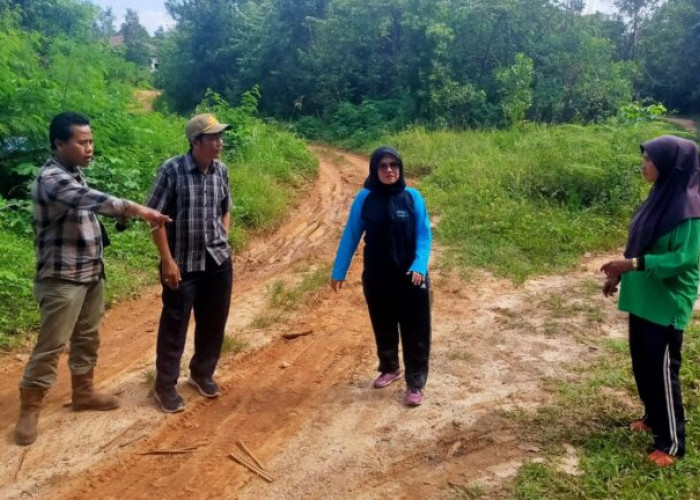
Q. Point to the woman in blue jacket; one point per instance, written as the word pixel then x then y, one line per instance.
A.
pixel 395 276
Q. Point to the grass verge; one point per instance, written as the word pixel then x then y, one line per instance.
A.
pixel 529 200
pixel 592 415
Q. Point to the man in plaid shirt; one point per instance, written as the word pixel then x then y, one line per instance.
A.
pixel 69 271
pixel 196 270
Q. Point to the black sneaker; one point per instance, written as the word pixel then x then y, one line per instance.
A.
pixel 169 400
pixel 205 385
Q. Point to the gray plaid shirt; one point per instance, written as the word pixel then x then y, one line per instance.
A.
pixel 68 237
pixel 196 202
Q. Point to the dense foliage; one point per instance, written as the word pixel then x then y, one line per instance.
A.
pixel 360 66
pixel 668 50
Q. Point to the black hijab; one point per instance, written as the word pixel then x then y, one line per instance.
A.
pixel 373 183
pixel 674 196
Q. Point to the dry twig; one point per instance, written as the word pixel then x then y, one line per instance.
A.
pixel 290 336
pixel 253 468
pixel 131 441
pixel 112 441
pixel 173 451
pixel 21 462
pixel 242 446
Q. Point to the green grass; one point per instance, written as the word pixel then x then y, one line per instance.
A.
pixel 531 200
pixel 233 345
pixel 18 311
pixel 469 492
pixel 592 415
pixel 284 298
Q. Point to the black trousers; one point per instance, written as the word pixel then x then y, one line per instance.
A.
pixel 208 292
pixel 656 360
pixel 399 308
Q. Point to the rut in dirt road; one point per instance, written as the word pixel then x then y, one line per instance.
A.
pixel 305 406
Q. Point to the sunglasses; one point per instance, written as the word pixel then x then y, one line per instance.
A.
pixel 391 165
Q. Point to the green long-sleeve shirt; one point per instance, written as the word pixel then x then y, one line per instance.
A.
pixel 665 290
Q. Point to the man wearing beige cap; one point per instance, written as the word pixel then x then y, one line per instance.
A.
pixel 195 260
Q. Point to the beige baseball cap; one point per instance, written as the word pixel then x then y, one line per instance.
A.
pixel 204 124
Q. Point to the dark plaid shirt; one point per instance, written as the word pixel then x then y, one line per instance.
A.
pixel 68 238
pixel 196 202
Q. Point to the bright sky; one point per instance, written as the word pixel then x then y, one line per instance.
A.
pixel 600 5
pixel 152 13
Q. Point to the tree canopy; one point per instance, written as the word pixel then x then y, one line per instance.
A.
pixel 430 60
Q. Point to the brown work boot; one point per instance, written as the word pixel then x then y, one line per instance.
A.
pixel 86 398
pixel 30 403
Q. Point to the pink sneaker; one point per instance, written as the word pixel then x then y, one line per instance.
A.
pixel 413 397
pixel 385 379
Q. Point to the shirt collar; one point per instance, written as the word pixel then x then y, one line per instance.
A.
pixel 75 172
pixel 192 166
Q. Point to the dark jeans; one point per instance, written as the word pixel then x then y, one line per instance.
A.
pixel 656 360
pixel 399 308
pixel 208 292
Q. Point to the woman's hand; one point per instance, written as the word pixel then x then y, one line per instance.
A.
pixel 416 278
pixel 336 285
pixel 615 268
pixel 610 286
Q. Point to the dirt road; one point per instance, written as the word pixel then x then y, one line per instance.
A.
pixel 305 406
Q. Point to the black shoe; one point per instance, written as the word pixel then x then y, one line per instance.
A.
pixel 169 400
pixel 205 385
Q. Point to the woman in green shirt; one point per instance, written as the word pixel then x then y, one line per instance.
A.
pixel 658 285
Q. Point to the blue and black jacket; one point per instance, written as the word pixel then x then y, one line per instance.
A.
pixel 396 226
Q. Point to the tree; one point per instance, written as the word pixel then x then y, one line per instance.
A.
pixel 516 83
pixel 55 17
pixel 203 51
pixel 136 40
pixel 636 11
pixel 669 45
pixel 105 23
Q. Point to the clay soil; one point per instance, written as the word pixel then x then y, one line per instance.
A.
pixel 305 407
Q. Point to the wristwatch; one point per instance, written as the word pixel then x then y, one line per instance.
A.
pixel 635 263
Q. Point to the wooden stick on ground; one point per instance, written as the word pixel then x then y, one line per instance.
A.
pixel 174 451
pixel 245 463
pixel 242 446
pixel 21 462
pixel 131 441
pixel 112 441
pixel 290 336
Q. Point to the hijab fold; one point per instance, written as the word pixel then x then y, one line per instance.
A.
pixel 674 197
